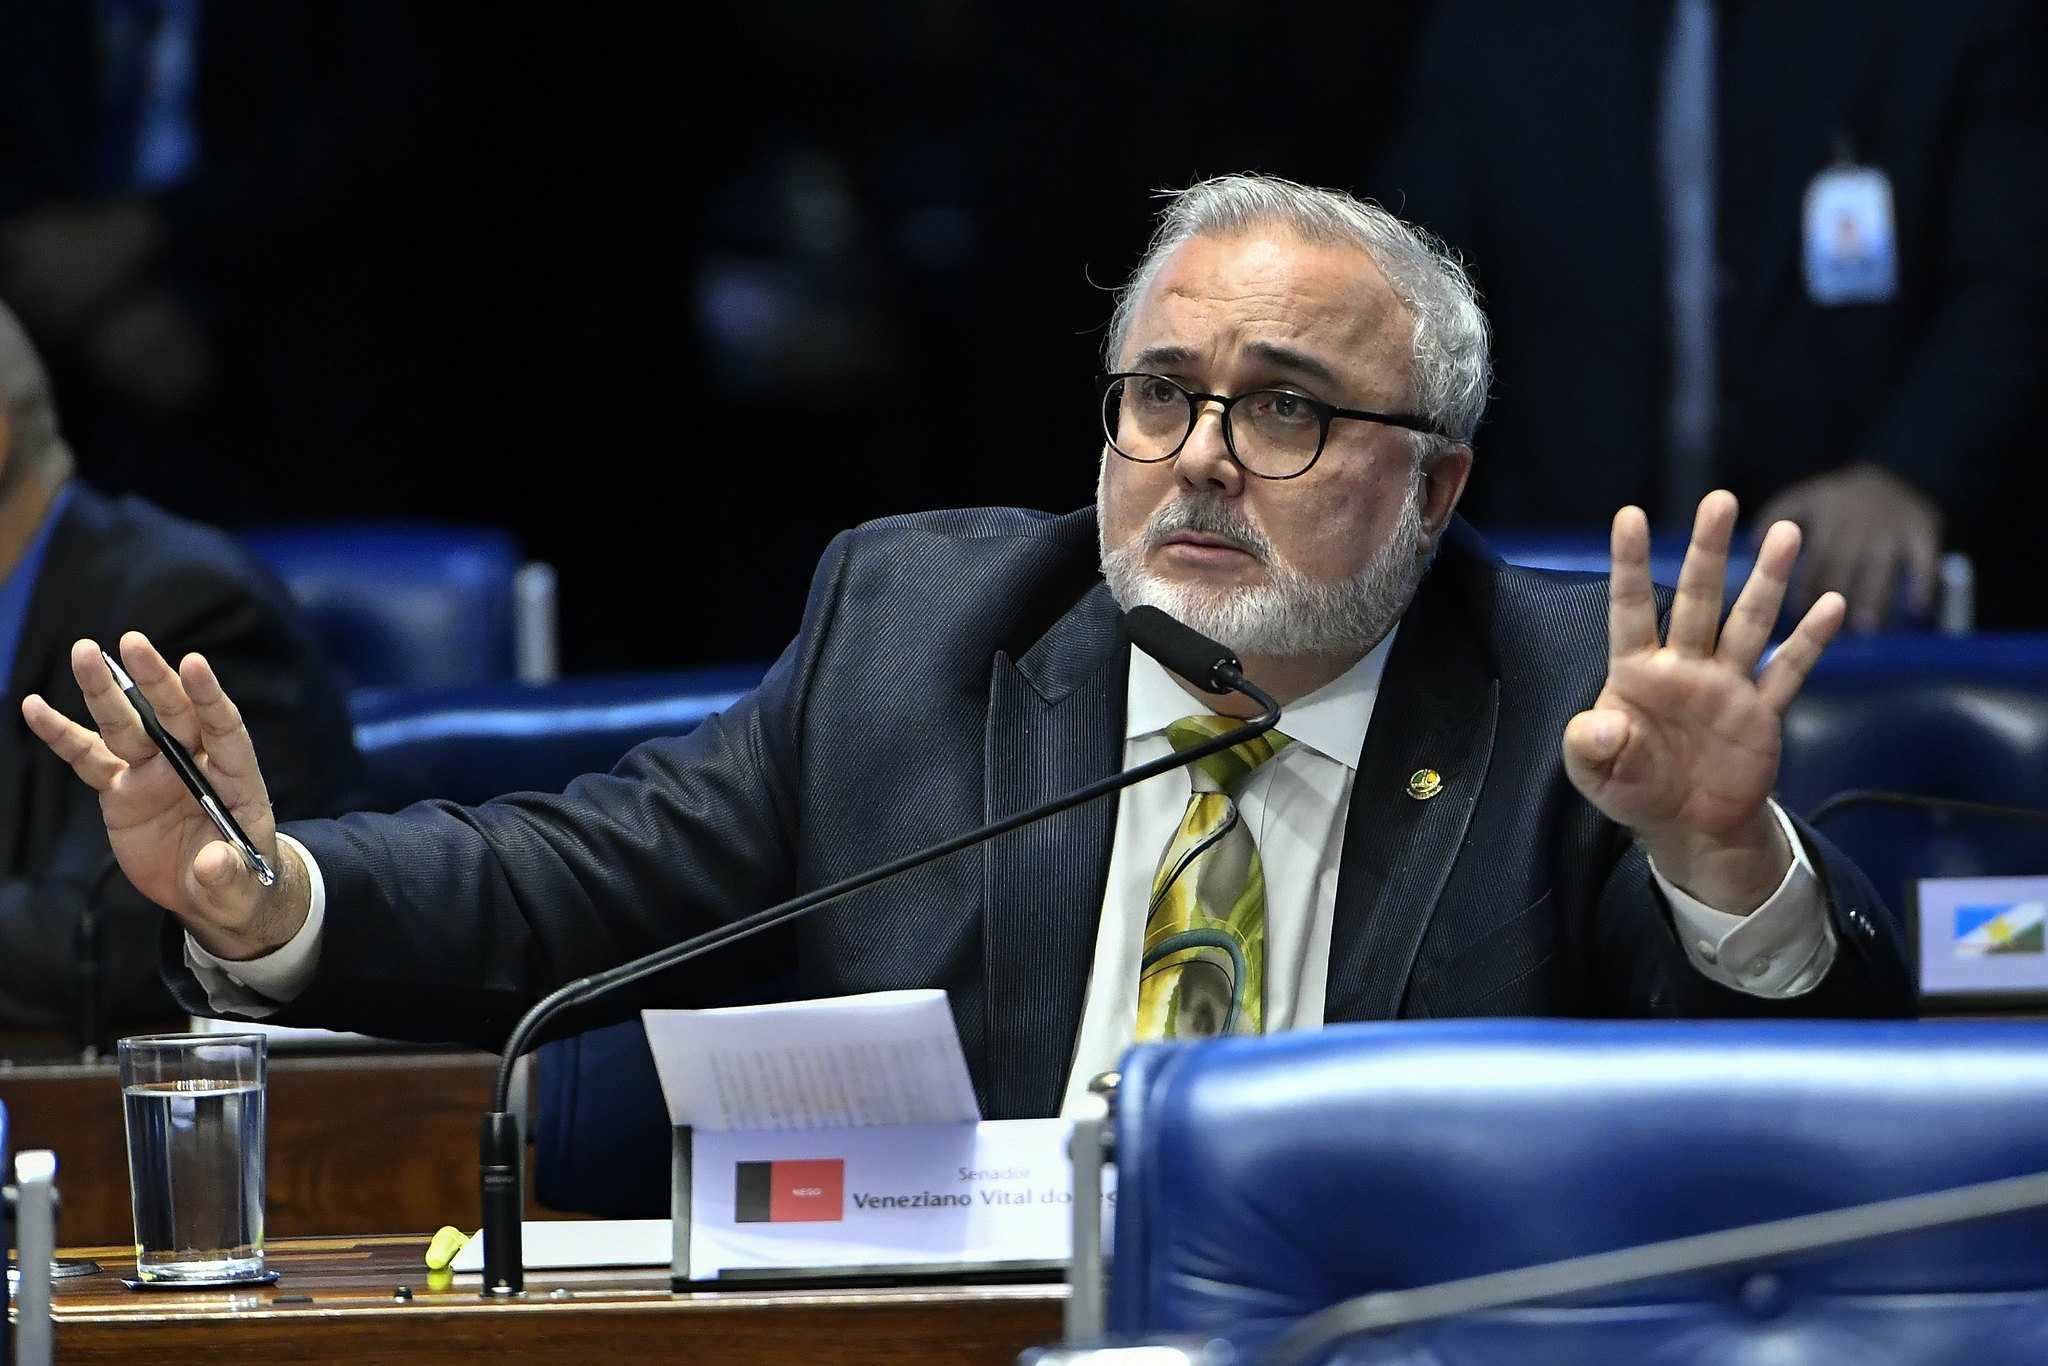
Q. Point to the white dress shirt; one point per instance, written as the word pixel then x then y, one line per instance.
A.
pixel 1295 805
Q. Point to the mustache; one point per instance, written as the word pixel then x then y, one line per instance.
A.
pixel 1211 516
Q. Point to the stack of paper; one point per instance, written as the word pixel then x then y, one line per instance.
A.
pixel 892 1057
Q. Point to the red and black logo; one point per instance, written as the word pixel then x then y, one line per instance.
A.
pixel 808 1192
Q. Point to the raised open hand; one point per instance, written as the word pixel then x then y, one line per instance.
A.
pixel 165 843
pixel 1682 745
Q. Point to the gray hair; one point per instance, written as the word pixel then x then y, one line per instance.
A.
pixel 31 412
pixel 1450 377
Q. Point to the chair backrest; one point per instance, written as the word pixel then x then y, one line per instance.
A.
pixel 410 605
pixel 2016 660
pixel 600 1126
pixel 1589 552
pixel 600 1122
pixel 1933 740
pixel 1260 1180
pixel 1586 551
pixel 470 743
pixel 1958 718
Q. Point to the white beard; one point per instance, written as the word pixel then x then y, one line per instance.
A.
pixel 1288 616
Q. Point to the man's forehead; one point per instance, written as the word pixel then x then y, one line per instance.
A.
pixel 1272 295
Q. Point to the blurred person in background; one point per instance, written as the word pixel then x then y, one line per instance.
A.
pixel 74 563
pixel 1790 249
pixel 202 207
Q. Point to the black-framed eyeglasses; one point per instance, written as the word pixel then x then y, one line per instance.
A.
pixel 1272 433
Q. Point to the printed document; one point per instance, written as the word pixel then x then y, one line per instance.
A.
pixel 849 1062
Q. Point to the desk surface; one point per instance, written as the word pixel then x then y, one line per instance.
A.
pixel 354 1317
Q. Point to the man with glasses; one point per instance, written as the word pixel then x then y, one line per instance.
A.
pixel 1493 791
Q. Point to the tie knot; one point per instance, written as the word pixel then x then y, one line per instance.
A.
pixel 1231 767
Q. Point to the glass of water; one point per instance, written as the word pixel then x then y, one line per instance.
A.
pixel 194 1105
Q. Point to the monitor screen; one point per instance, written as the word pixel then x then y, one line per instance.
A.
pixel 1982 941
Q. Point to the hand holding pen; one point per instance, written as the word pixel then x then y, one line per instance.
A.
pixel 186 809
pixel 189 773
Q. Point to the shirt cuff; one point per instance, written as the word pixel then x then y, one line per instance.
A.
pixel 1781 949
pixel 257 987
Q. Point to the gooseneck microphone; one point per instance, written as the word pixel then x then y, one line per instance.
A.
pixel 1192 655
pixel 1914 801
pixel 1186 652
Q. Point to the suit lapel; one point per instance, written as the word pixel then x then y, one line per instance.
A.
pixel 1437 709
pixel 1055 722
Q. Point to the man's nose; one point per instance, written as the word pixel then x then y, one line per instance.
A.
pixel 1205 460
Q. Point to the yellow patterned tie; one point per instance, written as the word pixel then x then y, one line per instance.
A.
pixel 1204 969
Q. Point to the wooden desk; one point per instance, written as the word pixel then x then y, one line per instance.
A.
pixel 591 1316
pixel 380 1142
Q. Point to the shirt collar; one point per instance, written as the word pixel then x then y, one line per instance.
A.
pixel 19 587
pixel 1331 720
pixel 22 579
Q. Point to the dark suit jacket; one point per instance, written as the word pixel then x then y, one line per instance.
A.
pixel 113 567
pixel 955 667
pixel 1530 144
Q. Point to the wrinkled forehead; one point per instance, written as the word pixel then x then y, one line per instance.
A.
pixel 1224 294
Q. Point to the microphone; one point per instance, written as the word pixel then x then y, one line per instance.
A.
pixel 1914 801
pixel 1188 653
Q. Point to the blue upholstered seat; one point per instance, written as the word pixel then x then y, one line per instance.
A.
pixel 1959 718
pixel 1587 552
pixel 1967 743
pixel 471 742
pixel 2014 660
pixel 600 1126
pixel 601 1130
pixel 1260 1180
pixel 417 605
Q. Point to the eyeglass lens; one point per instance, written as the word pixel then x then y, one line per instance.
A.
pixel 1273 433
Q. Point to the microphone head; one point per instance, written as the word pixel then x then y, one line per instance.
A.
pixel 1183 649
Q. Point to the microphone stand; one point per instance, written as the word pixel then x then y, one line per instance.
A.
pixel 501 1146
pixel 89 948
pixel 1801 1235
pixel 1913 801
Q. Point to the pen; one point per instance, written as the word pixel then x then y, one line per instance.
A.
pixel 188 772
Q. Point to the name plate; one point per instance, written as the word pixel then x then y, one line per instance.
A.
pixel 988 1195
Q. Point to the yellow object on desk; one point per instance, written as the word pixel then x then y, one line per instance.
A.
pixel 449 1241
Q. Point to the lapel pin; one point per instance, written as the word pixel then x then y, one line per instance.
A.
pixel 1425 783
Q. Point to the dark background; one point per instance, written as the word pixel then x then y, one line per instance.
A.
pixel 676 293
pixel 505 263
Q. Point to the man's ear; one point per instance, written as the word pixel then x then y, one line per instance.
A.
pixel 1443 483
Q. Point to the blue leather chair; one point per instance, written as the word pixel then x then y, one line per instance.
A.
pixel 1261 1180
pixel 417 605
pixel 1588 552
pixel 600 1122
pixel 1963 718
pixel 600 1127
pixel 471 742
pixel 1862 664
pixel 1965 743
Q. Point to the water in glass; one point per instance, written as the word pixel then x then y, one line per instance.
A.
pixel 195 1152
